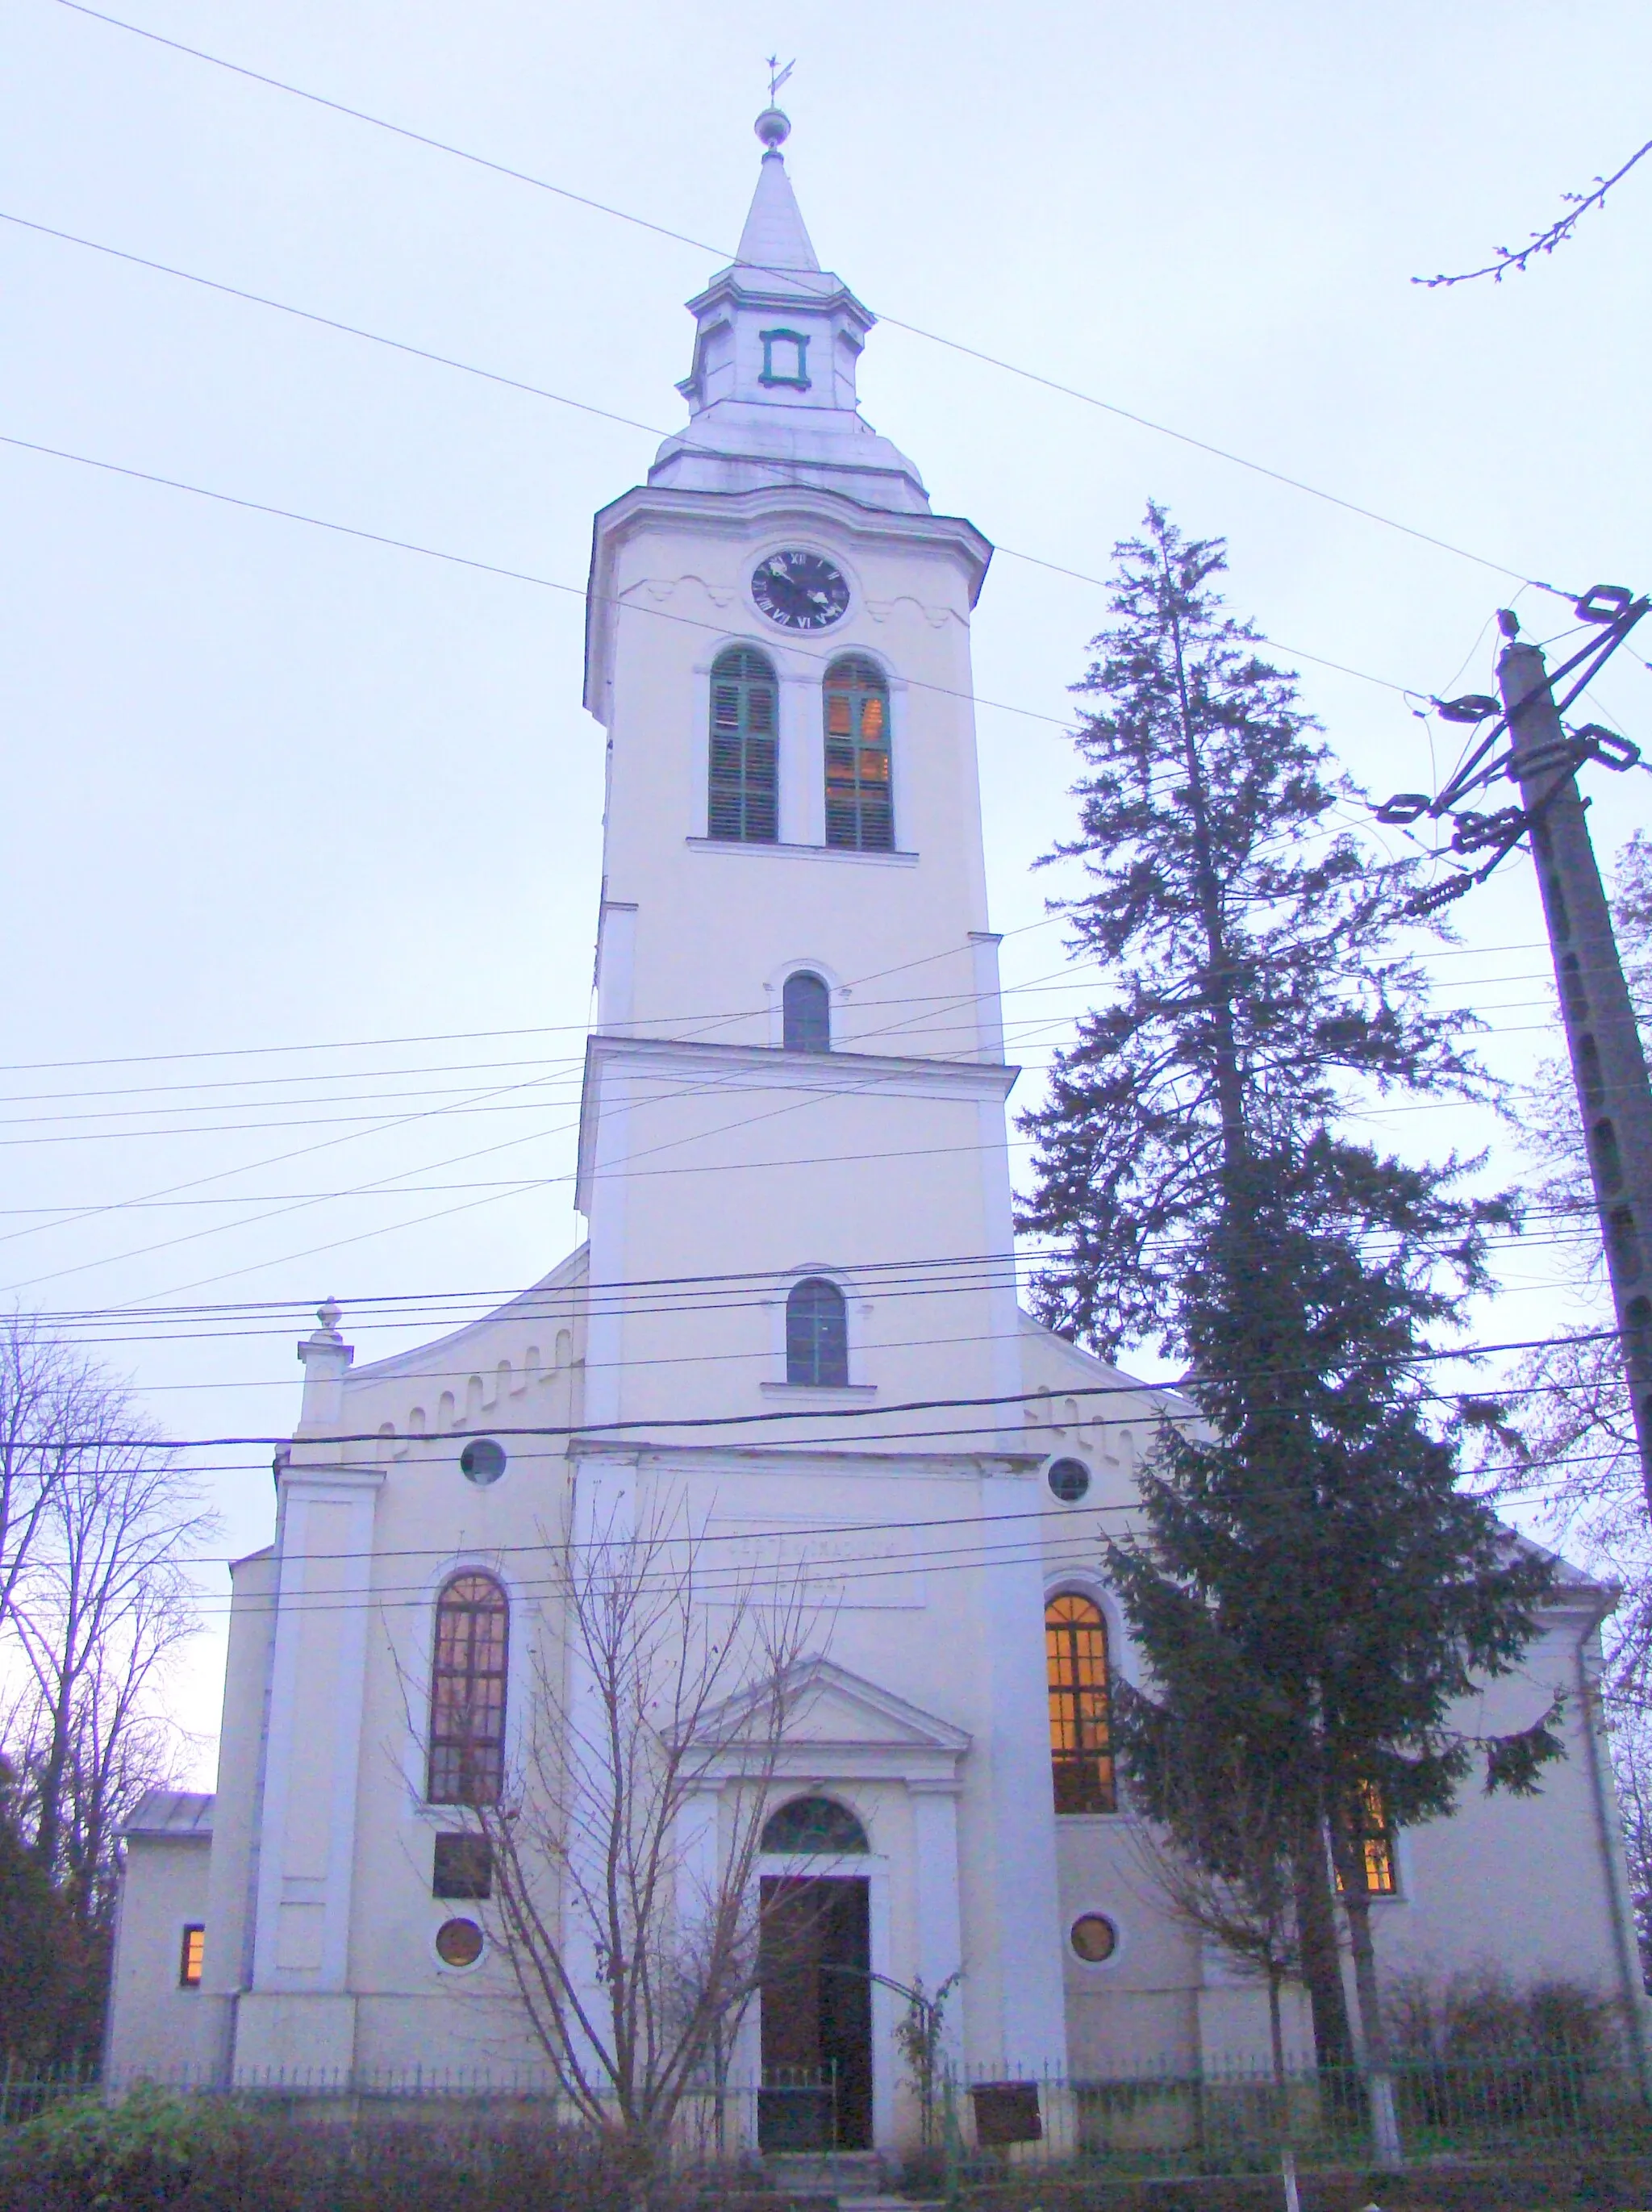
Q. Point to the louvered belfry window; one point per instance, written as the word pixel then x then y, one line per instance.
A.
pixel 467 1693
pixel 745 780
pixel 816 1333
pixel 860 796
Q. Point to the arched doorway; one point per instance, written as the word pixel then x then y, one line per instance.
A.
pixel 814 1950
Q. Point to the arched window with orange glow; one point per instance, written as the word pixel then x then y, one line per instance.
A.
pixel 859 789
pixel 1081 1737
pixel 467 1693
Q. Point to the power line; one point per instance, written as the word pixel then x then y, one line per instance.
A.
pixel 912 330
pixel 661 1422
pixel 562 399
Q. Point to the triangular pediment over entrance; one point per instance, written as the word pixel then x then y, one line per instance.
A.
pixel 838 1725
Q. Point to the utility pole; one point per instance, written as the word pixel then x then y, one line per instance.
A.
pixel 1602 1036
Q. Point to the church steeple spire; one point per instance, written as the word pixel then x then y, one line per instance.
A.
pixel 775 237
pixel 772 390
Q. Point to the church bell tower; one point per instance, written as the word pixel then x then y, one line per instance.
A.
pixel 793 1150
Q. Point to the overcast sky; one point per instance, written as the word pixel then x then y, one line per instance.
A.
pixel 268 790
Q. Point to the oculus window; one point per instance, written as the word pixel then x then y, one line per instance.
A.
pixel 467 1693
pixel 806 1013
pixel 859 791
pixel 816 1333
pixel 482 1462
pixel 1069 1479
pixel 458 1943
pixel 1094 1938
pixel 745 798
pixel 1081 1737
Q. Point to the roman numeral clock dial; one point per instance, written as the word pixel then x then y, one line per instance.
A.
pixel 800 591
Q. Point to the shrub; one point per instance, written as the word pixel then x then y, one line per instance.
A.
pixel 156 2152
pixel 136 2154
pixel 1481 2015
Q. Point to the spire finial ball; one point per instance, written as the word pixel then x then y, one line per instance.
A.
pixel 772 128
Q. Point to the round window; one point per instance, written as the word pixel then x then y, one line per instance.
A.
pixel 482 1462
pixel 458 1943
pixel 1094 1937
pixel 1069 1480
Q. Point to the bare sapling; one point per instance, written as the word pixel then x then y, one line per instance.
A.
pixel 625 1835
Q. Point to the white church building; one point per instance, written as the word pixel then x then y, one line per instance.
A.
pixel 794 1316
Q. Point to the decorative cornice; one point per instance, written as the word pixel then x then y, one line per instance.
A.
pixel 770 1067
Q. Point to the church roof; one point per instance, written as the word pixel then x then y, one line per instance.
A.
pixel 182 1815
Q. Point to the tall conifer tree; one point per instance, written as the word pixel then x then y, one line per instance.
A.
pixel 1311 1582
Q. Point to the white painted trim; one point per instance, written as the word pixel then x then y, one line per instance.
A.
pixel 834 853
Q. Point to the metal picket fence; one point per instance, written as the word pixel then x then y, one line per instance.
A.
pixel 985 2124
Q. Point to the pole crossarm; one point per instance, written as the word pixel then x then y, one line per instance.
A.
pixel 1613 612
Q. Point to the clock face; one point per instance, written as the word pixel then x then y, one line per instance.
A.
pixel 800 591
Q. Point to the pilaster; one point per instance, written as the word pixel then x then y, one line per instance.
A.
pixel 306 1852
pixel 1032 2002
pixel 935 1875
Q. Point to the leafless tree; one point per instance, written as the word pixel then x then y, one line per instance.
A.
pixel 50 1397
pixel 1543 241
pixel 105 1604
pixel 662 1687
pixel 1223 1863
pixel 97 1528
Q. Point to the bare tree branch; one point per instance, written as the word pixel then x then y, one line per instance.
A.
pixel 656 1705
pixel 1542 242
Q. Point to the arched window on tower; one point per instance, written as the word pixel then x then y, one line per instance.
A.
pixel 467 1692
pixel 806 1013
pixel 745 780
pixel 860 794
pixel 1081 1737
pixel 816 1333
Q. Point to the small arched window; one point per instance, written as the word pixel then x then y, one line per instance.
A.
pixel 806 1013
pixel 817 1332
pixel 467 1693
pixel 814 1825
pixel 745 778
pixel 1081 1737
pixel 860 795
